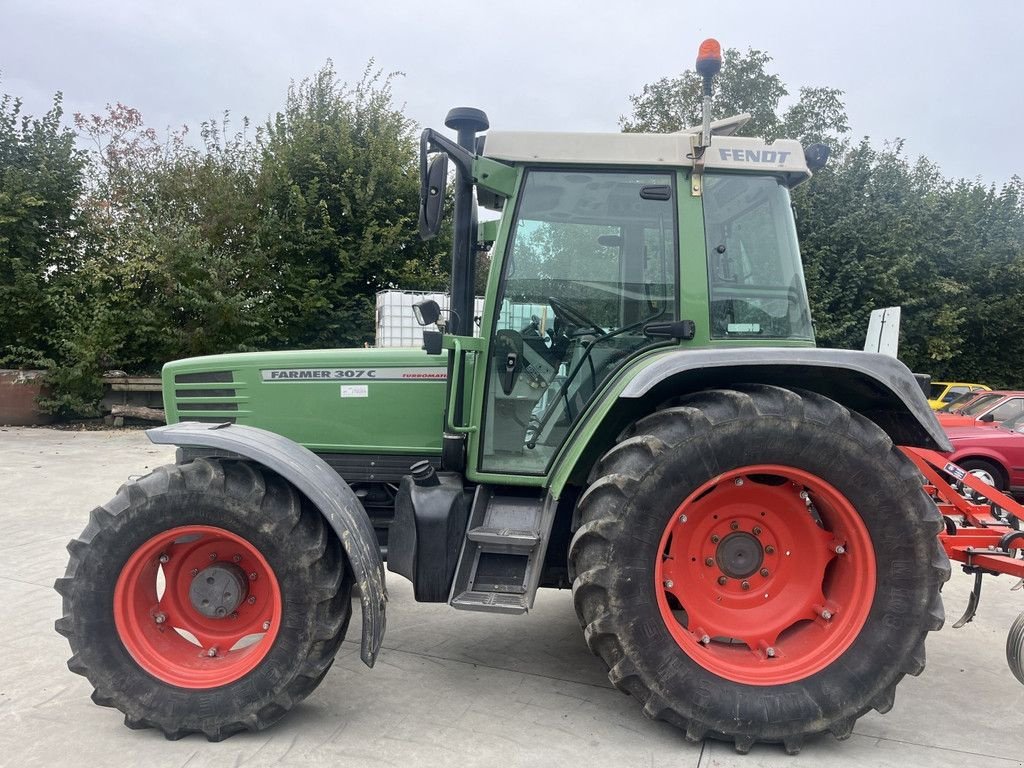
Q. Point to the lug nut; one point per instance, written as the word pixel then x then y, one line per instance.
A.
pixel 715 538
pixel 213 555
pixel 251 600
pixel 764 572
pixel 738 481
pixel 252 576
pixel 745 585
pixel 682 518
pixel 195 571
pixel 723 580
pixel 826 614
pixel 840 550
pixel 266 625
pixel 705 639
pixel 669 584
pixel 769 652
pixel 709 561
pixel 770 550
pixel 734 525
pixel 164 557
pixel 212 652
pixel 160 618
pixel 236 558
pixel 757 530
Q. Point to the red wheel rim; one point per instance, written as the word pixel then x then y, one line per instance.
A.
pixel 765 575
pixel 159 602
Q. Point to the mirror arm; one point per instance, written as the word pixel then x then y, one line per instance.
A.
pixel 432 141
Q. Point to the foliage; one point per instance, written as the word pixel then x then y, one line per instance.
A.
pixel 339 187
pixel 147 248
pixel 40 185
pixel 744 85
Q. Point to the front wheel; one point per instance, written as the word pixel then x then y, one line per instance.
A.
pixel 758 565
pixel 204 598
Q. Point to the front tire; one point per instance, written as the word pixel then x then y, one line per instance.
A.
pixel 204 598
pixel 758 565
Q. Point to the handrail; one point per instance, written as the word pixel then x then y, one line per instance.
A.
pixel 455 386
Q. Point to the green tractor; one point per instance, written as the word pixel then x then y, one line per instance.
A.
pixel 639 414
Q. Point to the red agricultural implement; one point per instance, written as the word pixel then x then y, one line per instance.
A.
pixel 982 531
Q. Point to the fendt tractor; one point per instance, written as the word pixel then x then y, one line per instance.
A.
pixel 639 414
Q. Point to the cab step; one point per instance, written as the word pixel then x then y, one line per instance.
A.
pixel 495 602
pixel 503 552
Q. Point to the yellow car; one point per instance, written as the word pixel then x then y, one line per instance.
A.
pixel 944 392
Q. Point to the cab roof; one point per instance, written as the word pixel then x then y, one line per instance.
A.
pixel 726 152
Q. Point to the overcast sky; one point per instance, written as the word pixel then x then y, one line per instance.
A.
pixel 945 76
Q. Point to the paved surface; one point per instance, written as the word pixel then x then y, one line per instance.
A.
pixel 450 688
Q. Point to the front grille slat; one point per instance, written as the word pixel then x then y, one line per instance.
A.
pixel 204 377
pixel 204 393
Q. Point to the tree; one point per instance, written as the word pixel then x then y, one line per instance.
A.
pixel 744 85
pixel 339 190
pixel 40 185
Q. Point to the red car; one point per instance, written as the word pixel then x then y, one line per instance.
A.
pixel 986 408
pixel 997 450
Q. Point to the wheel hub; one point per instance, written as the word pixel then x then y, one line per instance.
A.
pixel 739 555
pixel 218 590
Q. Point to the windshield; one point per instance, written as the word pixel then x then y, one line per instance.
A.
pixel 979 405
pixel 954 406
pixel 755 274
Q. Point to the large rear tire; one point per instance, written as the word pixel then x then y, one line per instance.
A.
pixel 204 598
pixel 758 565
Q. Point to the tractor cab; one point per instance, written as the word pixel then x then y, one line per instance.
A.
pixel 608 247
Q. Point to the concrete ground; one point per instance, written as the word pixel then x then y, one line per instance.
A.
pixel 450 688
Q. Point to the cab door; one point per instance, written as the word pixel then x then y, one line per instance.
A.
pixel 590 260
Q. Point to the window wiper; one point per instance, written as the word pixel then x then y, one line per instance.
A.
pixel 564 391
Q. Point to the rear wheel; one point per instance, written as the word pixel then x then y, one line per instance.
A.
pixel 207 597
pixel 758 565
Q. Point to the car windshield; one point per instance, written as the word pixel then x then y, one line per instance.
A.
pixel 959 403
pixel 979 405
pixel 1016 424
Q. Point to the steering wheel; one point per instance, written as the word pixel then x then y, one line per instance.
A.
pixel 575 315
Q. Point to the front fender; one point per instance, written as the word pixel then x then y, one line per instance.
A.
pixel 324 488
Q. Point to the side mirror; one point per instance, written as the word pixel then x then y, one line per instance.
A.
pixel 426 312
pixel 432 197
pixel 988 418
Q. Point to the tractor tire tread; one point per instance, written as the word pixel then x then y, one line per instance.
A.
pixel 621 470
pixel 283 509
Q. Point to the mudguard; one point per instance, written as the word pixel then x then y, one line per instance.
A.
pixel 877 386
pixel 322 486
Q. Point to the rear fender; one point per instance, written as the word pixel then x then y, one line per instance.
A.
pixel 324 488
pixel 878 387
